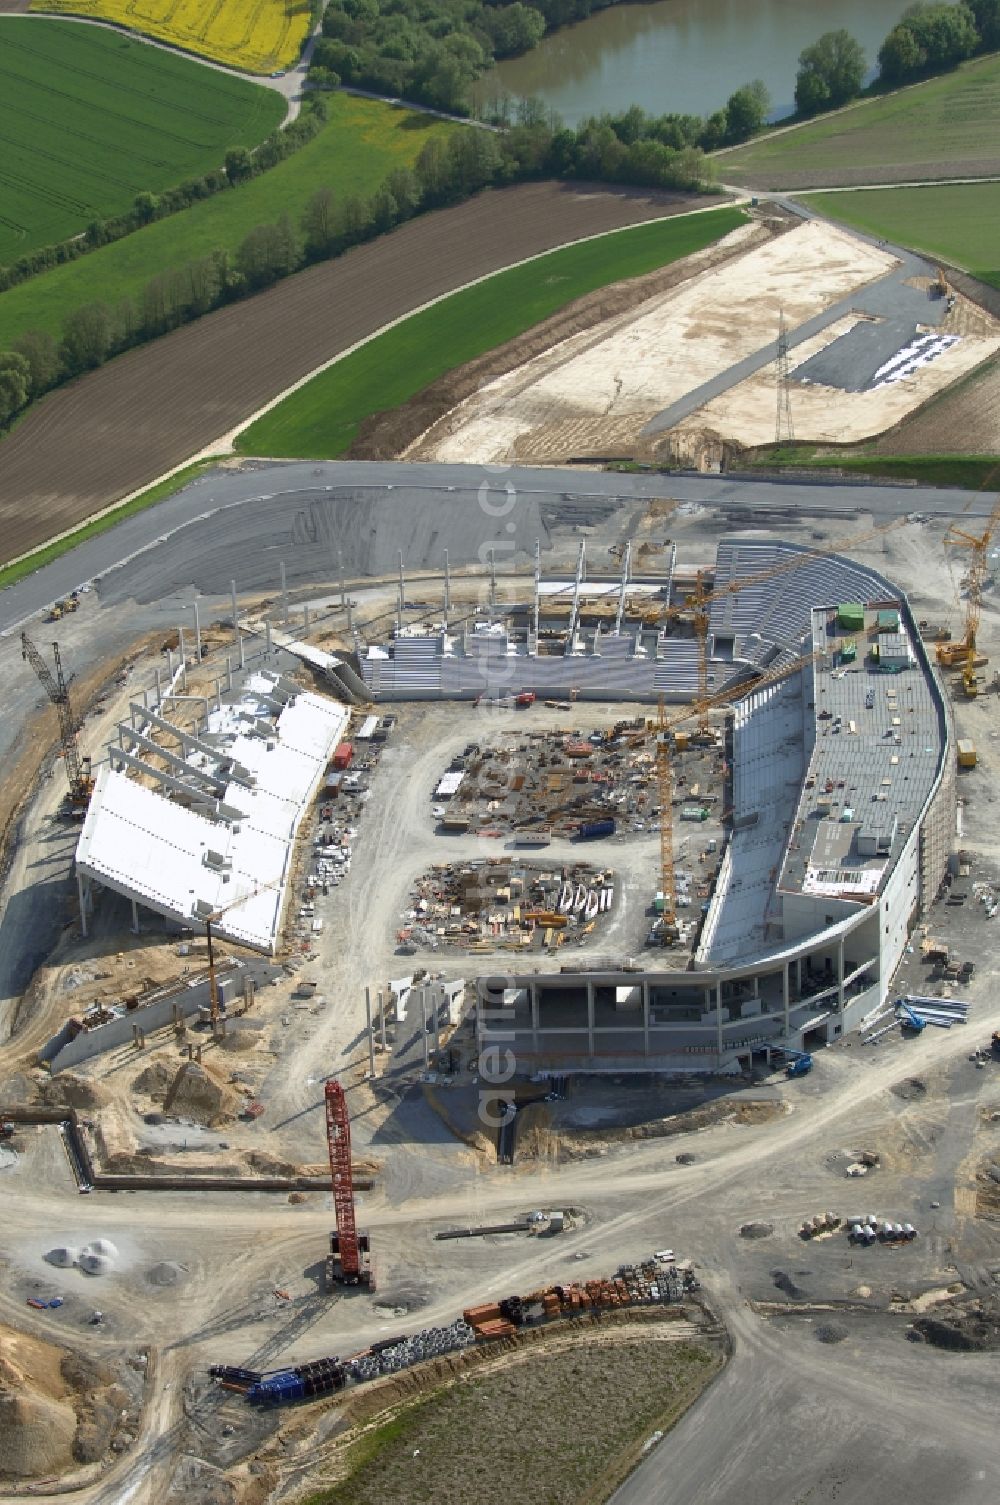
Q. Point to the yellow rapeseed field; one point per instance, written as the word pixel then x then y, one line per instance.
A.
pixel 259 36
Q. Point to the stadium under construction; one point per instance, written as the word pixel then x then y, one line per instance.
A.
pixel 838 796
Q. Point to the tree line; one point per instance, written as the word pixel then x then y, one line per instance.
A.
pixel 619 149
pixel 927 39
pixel 240 164
pixel 431 51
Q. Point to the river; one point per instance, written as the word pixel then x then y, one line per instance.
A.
pixel 684 56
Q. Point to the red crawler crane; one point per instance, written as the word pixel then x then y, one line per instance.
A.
pixel 348 1262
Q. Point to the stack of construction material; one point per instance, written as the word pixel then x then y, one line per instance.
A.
pixel 488 1321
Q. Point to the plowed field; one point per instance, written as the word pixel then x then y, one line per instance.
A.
pixel 119 428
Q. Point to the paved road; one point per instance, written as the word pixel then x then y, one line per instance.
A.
pixel 240 523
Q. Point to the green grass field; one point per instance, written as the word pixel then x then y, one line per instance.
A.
pixel 954 119
pixel 968 472
pixel 960 223
pixel 321 420
pixel 361 142
pixel 89 118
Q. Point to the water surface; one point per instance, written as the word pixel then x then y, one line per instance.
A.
pixel 684 56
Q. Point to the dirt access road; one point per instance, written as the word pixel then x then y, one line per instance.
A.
pixel 117 429
pixel 783 1393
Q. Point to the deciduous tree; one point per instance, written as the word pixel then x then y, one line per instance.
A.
pixel 831 72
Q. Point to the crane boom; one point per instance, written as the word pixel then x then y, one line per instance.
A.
pixel 80 782
pixel 964 653
pixel 338 1138
pixel 665 782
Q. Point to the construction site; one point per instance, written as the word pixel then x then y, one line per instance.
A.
pixel 483 966
pixel 689 374
pixel 503 905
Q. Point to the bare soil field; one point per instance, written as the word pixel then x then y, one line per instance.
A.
pixel 591 392
pixel 58 1408
pixel 745 414
pixel 387 435
pixel 594 392
pixel 119 428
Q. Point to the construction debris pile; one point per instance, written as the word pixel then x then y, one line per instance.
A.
pixel 342 799
pixel 657 1280
pixel 538 785
pixel 503 905
pixel 912 1013
pixel 632 1285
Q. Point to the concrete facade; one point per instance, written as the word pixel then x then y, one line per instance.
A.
pixel 825 897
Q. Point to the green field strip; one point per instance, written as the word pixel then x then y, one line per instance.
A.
pixel 321 420
pixel 361 142
pixel 959 222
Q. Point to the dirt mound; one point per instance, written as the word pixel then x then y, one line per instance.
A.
pixel 972 1329
pixel 36 1435
pixel 756 1230
pixel 909 1088
pixel 189 1091
pixel 37 1419
pixel 239 1040
pixel 64 1257
pixel 830 1332
pixel 77 1091
pixel 166 1273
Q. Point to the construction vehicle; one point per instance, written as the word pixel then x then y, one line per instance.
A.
pixel 911 1021
pixel 78 768
pixel 962 653
pixel 60 609
pixel 995 1043
pixel 348 1262
pixel 798 1062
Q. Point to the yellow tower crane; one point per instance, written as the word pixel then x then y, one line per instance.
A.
pixel 697 603
pixel 962 654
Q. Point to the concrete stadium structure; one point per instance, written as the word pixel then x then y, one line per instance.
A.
pixel 841 792
pixel 196 819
